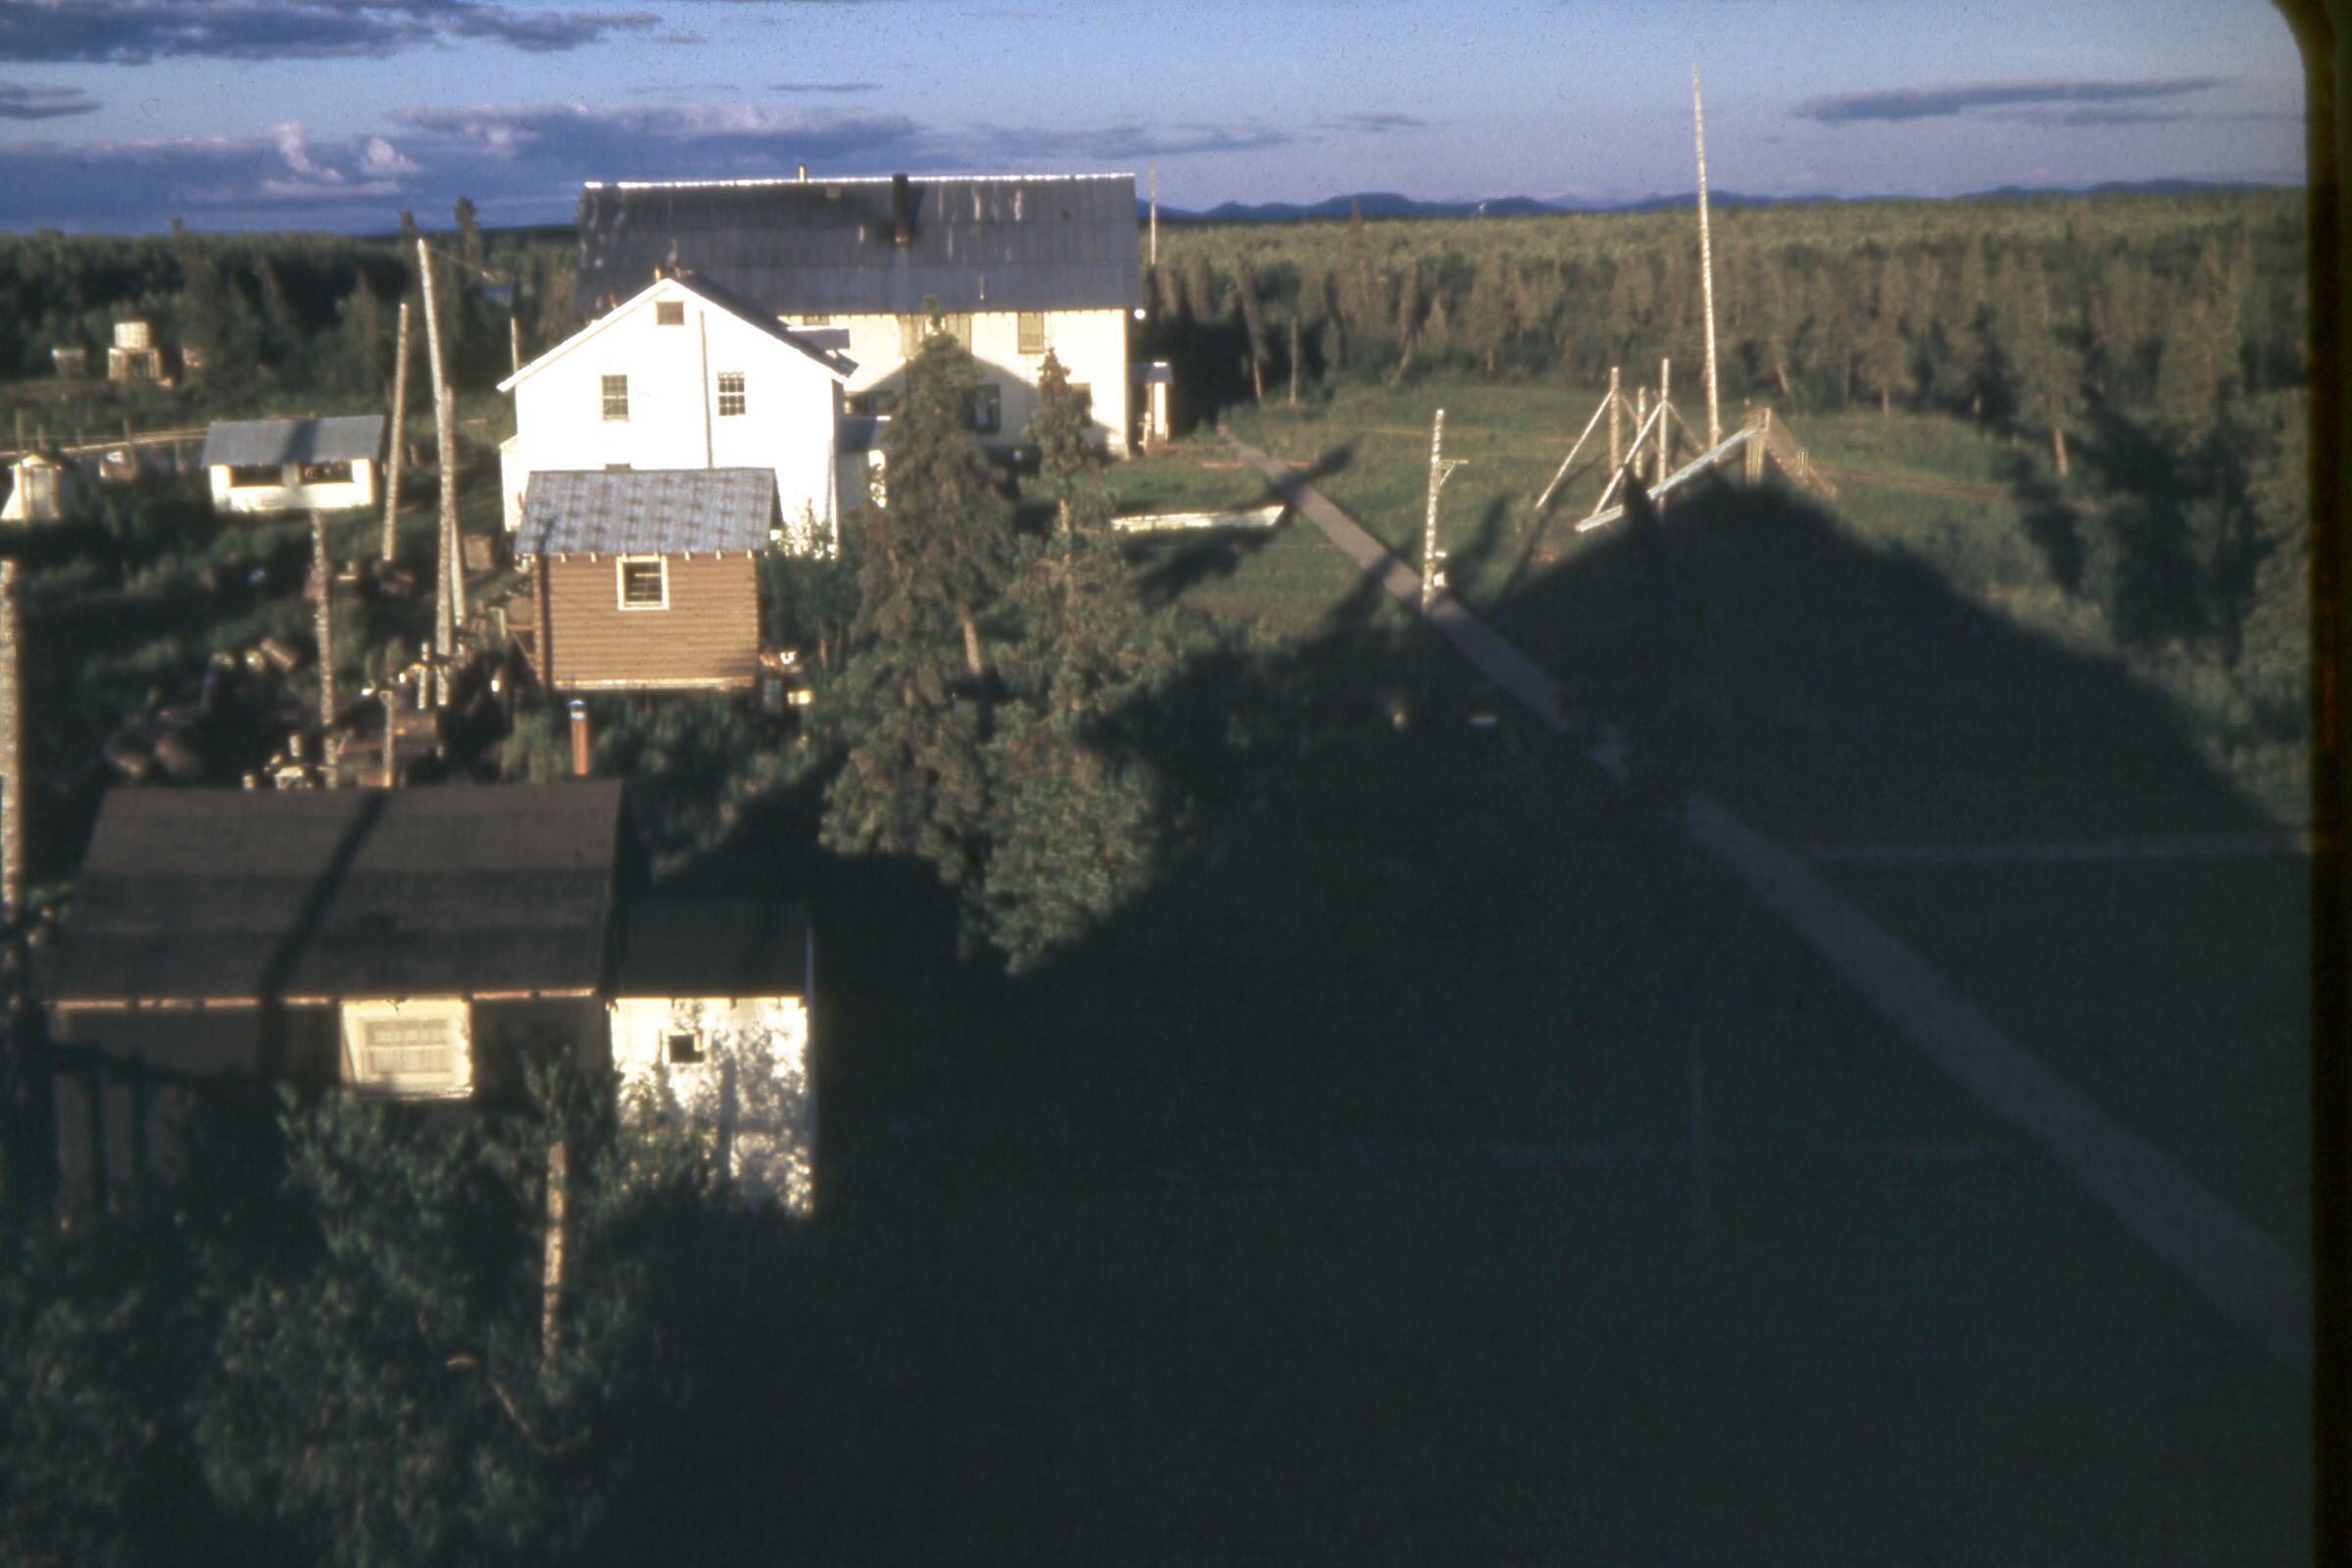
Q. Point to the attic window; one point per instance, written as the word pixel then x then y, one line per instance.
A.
pixel 1030 330
pixel 730 393
pixel 644 582
pixel 669 313
pixel 616 397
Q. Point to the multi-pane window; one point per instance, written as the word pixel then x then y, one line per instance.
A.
pixel 1029 328
pixel 407 1048
pixel 669 313
pixel 616 397
pixel 644 582
pixel 730 392
pixel 255 475
pixel 326 474
pixel 986 409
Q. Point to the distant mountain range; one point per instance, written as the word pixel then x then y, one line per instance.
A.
pixel 1388 204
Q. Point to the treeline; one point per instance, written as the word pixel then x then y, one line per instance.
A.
pixel 278 314
pixel 2003 311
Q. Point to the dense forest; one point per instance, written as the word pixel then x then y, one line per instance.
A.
pixel 2007 311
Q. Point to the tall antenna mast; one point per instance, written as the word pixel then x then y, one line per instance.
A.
pixel 1707 265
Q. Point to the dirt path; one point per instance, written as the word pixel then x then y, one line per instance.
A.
pixel 2254 1281
pixel 1947 487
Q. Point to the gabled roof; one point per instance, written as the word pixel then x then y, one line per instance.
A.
pixel 718 949
pixel 266 441
pixel 652 512
pixel 241 895
pixel 977 243
pixel 836 364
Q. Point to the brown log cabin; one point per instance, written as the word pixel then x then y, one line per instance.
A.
pixel 645 580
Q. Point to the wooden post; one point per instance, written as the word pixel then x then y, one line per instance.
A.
pixel 1153 248
pixel 1657 458
pixel 322 583
pixel 583 755
pixel 1707 265
pixel 388 694
pixel 515 343
pixel 1439 469
pixel 12 752
pixel 400 424
pixel 551 1257
pixel 451 571
pixel 1616 413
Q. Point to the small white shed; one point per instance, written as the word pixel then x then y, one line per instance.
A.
pixel 294 465
pixel 709 1027
pixel 40 490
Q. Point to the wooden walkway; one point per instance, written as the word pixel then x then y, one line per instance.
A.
pixel 2253 1280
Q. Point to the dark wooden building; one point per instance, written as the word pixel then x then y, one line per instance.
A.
pixel 410 943
pixel 645 580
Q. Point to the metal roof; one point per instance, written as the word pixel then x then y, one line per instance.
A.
pixel 821 247
pixel 240 894
pixel 653 511
pixel 244 442
pixel 718 949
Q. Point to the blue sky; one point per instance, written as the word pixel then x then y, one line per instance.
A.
pixel 119 114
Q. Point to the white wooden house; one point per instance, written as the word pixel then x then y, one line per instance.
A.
pixel 294 465
pixel 683 375
pixel 1017 263
pixel 41 488
pixel 710 1025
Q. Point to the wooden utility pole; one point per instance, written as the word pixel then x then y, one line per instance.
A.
pixel 444 436
pixel 400 425
pixel 515 343
pixel 12 755
pixel 1707 265
pixel 1439 469
pixel 1616 413
pixel 322 583
pixel 1155 243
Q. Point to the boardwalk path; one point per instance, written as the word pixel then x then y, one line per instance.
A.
pixel 2253 1280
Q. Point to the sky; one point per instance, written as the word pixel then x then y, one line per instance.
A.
pixel 118 116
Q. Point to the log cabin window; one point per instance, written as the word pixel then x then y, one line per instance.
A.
pixel 416 1047
pixel 669 313
pixel 1029 331
pixel 616 397
pixel 255 475
pixel 683 1047
pixel 986 409
pixel 644 582
pixel 326 474
pixel 730 393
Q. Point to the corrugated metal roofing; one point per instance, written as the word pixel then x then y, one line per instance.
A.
pixel 241 895
pixel 716 949
pixel 266 441
pixel 825 247
pixel 652 512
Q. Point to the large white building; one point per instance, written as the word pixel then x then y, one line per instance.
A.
pixel 1018 264
pixel 683 375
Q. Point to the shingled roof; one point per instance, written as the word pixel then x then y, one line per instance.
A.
pixel 829 247
pixel 646 512
pixel 242 894
pixel 261 442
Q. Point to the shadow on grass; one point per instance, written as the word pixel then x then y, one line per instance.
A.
pixel 1339 1201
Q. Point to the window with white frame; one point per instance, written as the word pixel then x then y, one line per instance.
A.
pixel 415 1048
pixel 1029 328
pixel 616 397
pixel 643 581
pixel 669 313
pixel 730 392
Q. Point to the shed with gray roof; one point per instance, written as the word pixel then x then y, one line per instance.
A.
pixel 645 580
pixel 294 465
